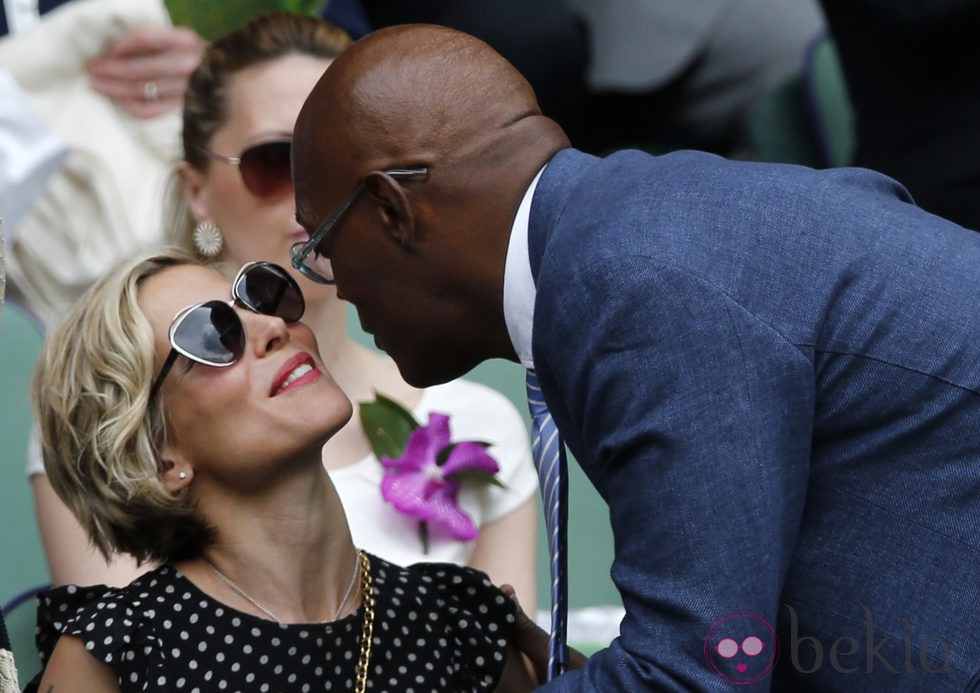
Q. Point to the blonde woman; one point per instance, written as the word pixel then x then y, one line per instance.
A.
pixel 235 204
pixel 186 429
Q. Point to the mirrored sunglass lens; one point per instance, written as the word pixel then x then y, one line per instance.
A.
pixel 269 290
pixel 265 168
pixel 212 333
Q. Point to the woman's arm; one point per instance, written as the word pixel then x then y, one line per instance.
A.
pixel 71 557
pixel 72 668
pixel 506 550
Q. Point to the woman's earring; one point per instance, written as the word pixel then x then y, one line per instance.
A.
pixel 207 238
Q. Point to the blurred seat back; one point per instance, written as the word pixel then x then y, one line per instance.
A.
pixel 828 104
pixel 807 119
pixel 22 564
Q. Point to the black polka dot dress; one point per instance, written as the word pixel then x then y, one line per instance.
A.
pixel 437 627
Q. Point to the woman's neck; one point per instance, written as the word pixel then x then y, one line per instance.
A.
pixel 288 548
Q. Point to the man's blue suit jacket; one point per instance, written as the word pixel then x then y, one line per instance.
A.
pixel 772 376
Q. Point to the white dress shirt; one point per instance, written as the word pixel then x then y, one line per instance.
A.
pixel 519 291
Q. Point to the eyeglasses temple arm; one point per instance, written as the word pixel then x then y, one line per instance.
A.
pixel 233 160
pixel 422 172
pixel 167 365
pixel 327 224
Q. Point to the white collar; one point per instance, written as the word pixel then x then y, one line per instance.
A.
pixel 20 14
pixel 519 290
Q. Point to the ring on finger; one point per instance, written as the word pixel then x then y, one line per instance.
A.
pixel 150 91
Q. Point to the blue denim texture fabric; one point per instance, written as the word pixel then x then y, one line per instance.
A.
pixel 772 375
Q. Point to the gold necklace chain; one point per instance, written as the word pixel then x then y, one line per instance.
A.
pixel 367 628
pixel 267 611
pixel 367 625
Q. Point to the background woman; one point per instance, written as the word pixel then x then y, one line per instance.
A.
pixel 241 104
pixel 186 429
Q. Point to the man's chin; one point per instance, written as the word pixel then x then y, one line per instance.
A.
pixel 422 373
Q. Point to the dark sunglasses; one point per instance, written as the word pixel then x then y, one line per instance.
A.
pixel 264 167
pixel 211 333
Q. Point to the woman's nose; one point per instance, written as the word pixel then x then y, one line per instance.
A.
pixel 266 333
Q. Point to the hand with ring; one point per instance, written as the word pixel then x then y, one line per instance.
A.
pixel 150 91
pixel 145 69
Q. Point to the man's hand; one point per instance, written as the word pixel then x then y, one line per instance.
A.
pixel 145 69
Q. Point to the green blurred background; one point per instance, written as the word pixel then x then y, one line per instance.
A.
pixel 211 18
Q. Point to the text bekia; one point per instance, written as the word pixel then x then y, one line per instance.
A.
pixel 848 655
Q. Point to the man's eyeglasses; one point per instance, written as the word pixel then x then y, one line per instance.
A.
pixel 307 258
pixel 211 333
pixel 265 167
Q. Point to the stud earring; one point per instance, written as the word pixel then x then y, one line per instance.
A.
pixel 207 238
pixel 182 475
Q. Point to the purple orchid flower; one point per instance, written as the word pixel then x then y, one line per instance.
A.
pixel 417 485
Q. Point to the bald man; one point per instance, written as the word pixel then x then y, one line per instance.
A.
pixel 770 373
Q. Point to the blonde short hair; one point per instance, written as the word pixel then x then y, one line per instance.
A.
pixel 100 433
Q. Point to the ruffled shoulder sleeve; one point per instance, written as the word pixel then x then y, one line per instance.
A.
pixel 115 624
pixel 476 618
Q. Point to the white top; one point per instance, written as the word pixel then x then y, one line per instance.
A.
pixel 476 412
pixel 519 291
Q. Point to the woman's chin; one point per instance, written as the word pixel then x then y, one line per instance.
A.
pixel 335 418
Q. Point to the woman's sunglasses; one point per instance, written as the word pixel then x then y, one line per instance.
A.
pixel 264 167
pixel 212 333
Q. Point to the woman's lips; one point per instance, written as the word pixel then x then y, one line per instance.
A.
pixel 296 372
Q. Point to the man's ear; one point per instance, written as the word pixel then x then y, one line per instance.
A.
pixel 392 206
pixel 192 182
pixel 175 473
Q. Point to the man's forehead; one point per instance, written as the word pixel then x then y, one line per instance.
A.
pixel 306 192
pixel 312 184
pixel 318 195
pixel 304 218
pixel 308 213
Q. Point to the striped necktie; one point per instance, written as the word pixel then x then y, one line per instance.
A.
pixel 549 458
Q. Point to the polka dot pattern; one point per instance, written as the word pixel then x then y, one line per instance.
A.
pixel 438 627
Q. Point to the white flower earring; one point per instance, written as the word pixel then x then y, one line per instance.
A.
pixel 207 238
